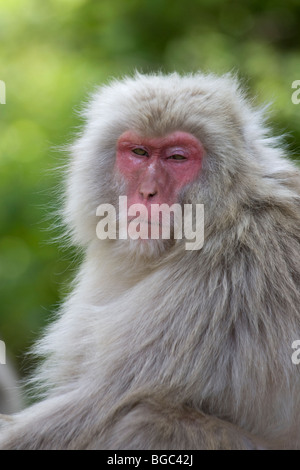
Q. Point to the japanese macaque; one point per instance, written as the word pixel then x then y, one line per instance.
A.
pixel 159 346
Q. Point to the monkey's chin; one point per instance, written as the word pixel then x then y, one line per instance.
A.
pixel 145 248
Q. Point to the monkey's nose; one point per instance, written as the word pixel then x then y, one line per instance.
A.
pixel 148 189
pixel 147 194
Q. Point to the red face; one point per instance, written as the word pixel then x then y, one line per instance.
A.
pixel 156 169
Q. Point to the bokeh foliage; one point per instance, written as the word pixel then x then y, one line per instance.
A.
pixel 53 54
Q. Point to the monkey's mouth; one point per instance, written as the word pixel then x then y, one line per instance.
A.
pixel 149 228
pixel 145 221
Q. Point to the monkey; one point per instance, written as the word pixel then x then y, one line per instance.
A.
pixel 159 346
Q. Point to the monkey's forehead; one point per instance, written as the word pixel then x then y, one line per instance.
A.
pixel 154 105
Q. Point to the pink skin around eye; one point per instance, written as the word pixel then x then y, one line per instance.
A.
pixel 156 177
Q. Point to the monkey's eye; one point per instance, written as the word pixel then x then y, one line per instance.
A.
pixel 177 157
pixel 139 151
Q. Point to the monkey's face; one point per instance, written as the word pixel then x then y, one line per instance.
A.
pixel 155 170
pixel 160 141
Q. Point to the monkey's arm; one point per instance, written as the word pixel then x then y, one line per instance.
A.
pixel 148 425
pixel 5 419
pixel 145 425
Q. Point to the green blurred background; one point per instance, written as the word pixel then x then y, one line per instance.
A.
pixel 52 55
